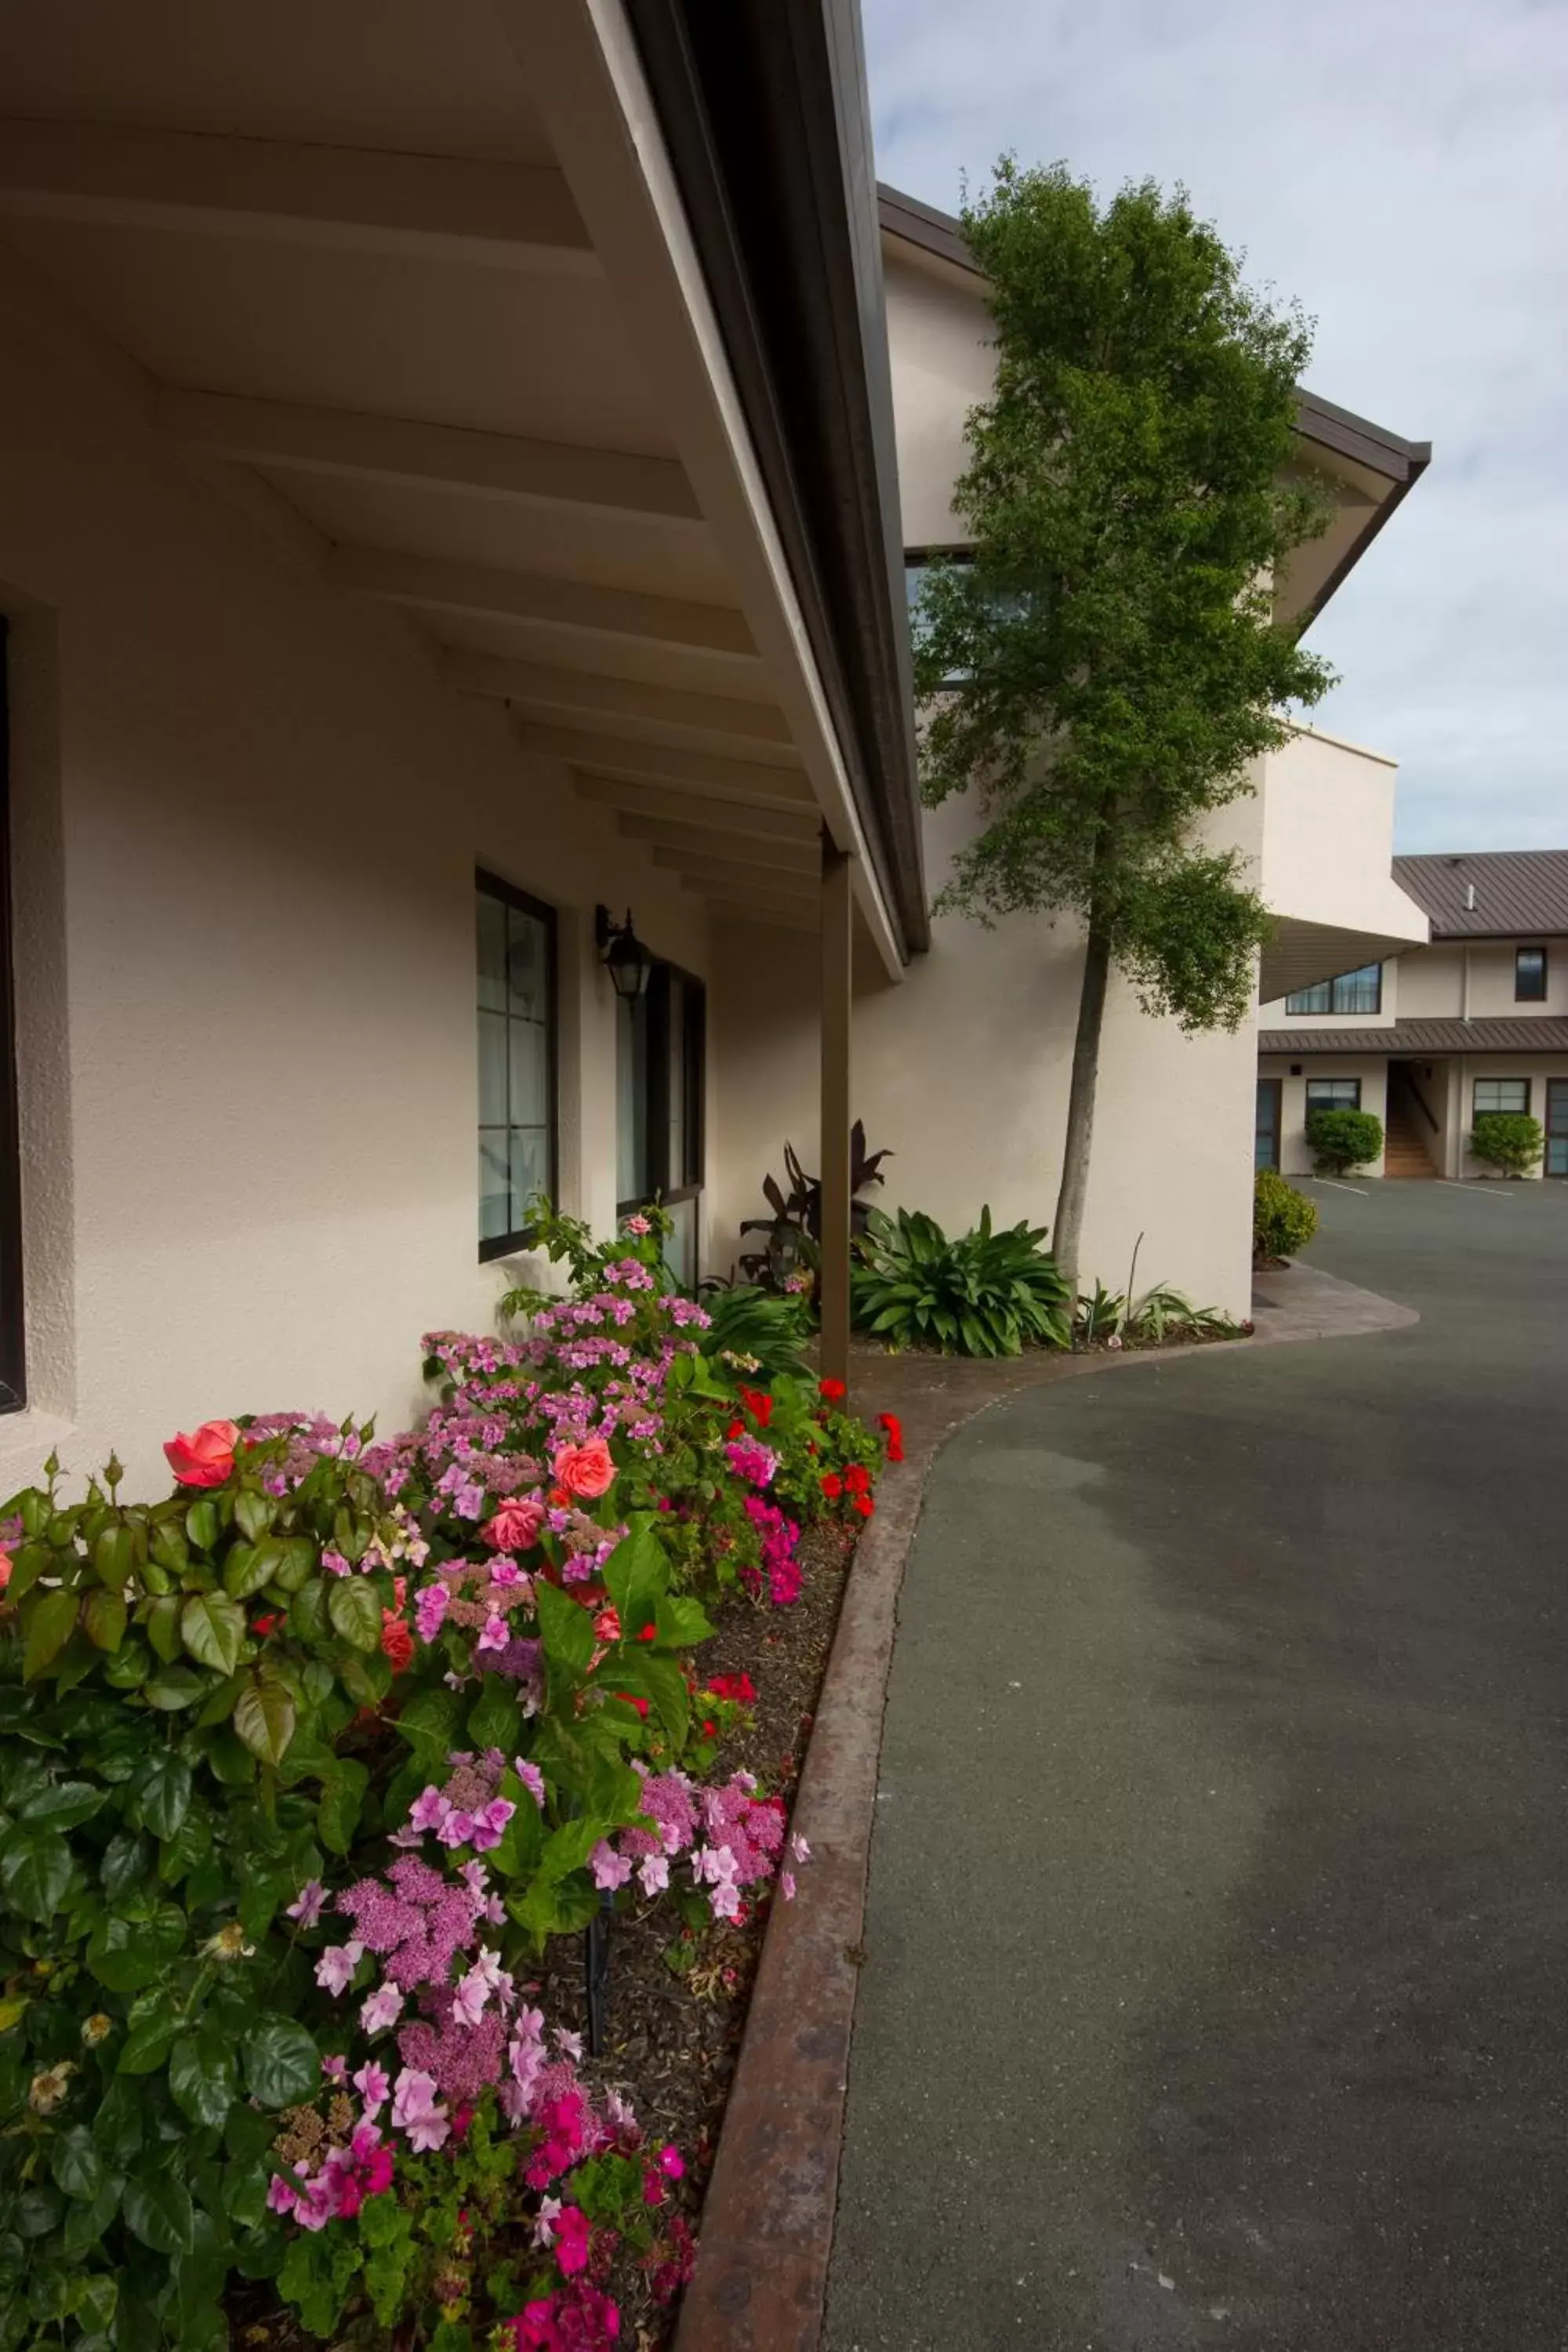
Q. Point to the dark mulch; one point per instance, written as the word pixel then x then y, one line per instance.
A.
pixel 674 2032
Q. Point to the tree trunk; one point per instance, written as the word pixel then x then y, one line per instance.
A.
pixel 1080 1135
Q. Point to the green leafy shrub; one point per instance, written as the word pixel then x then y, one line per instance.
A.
pixel 769 1327
pixel 1283 1220
pixel 1509 1141
pixel 986 1293
pixel 1343 1139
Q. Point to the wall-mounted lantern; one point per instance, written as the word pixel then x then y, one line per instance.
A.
pixel 622 953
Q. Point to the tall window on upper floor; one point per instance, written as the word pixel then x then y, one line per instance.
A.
pixel 518 1045
pixel 1352 991
pixel 13 1328
pixel 660 1078
pixel 1529 975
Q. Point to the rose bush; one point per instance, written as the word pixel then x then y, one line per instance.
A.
pixel 300 1767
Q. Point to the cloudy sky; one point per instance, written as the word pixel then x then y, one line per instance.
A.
pixel 1403 170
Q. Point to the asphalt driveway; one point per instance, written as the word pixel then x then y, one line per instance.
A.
pixel 1217 1978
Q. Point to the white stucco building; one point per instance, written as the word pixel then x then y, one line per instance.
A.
pixel 451 480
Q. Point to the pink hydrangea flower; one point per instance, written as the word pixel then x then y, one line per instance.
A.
pixel 336 1966
pixel 374 2084
pixel 383 2008
pixel 309 1903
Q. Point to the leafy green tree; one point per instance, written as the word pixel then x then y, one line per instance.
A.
pixel 1106 667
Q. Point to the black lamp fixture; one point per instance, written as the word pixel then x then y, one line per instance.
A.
pixel 622 953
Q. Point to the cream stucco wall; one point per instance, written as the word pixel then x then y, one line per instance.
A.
pixel 1296 1157
pixel 247 818
pixel 963 1073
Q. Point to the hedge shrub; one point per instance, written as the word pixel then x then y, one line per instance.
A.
pixel 1343 1139
pixel 1283 1220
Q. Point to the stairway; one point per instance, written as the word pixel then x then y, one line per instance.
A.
pixel 1405 1137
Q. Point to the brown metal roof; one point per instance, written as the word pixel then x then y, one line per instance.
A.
pixel 1520 893
pixel 1547 1033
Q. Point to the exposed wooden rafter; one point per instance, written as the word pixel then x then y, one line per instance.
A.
pixel 664 763
pixel 590 695
pixel 768 856
pixel 517 216
pixel 740 880
pixel 707 810
pixel 484 588
pixel 396 450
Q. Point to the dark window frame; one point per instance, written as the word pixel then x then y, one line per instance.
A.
pixel 1311 1105
pixel 694 1053
pixel 1511 1079
pixel 1531 995
pixel 1296 1010
pixel 13 1302
pixel 1275 1089
pixel 495 886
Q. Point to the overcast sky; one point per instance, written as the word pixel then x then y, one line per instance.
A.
pixel 1403 170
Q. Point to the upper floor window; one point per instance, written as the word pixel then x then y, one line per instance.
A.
pixel 517 991
pixel 1529 975
pixel 1352 991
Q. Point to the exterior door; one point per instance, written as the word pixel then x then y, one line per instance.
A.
pixel 1266 1138
pixel 1556 1127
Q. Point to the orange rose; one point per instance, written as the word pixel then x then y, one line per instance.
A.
pixel 515 1526
pixel 206 1458
pixel 585 1471
pixel 396 1642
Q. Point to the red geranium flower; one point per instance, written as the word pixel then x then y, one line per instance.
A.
pixel 736 1429
pixel 857 1478
pixel 864 1505
pixel 759 1404
pixel 894 1427
pixel 733 1686
pixel 832 1391
pixel 832 1485
pixel 649 1633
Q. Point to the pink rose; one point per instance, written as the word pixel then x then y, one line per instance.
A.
pixel 4 1569
pixel 585 1471
pixel 205 1458
pixel 515 1526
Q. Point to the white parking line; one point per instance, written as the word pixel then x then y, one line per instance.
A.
pixel 1334 1186
pixel 1478 1192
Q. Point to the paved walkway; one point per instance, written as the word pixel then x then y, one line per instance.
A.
pixel 1217 1951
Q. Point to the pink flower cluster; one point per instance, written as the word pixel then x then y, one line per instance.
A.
pixel 750 1459
pixel 730 1837
pixel 336 2189
pixel 781 1541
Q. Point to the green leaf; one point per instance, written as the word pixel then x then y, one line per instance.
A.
pixel 35 2212
pixel 85 2225
pixel 354 1608
pixel 162 1793
pixel 174 1688
pixel 308 1611
pixel 93 2301
pixel 212 1628
pixel 496 1719
pixel 566 1628
pixel 254 1514
pixel 282 2064
pixel 191 1843
pixel 114 1558
pixel 432 1715
pixel 247 1567
pixel 162 1622
pixel 337 1816
pixel 128 1954
pixel 202 2078
pixel 202 1524
pixel 245 2194
pixel 127 1859
pixel 36 1873
pixel 104 1615
pixel 169 1547
pixel 76 2163
pixel 50 1622
pixel 149 2042
pixel 295 1562
pixel 61 1804
pixel 365 1675
pixel 28 1562
pixel 681 1623
pixel 647 1674
pixel 158 2212
pixel 637 1575
pixel 264 1719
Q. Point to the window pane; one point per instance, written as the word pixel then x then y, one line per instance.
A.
pixel 492 953
pixel 1359 991
pixel 1334 1094
pixel 676 1137
pixel 1309 1000
pixel 529 1064
pixel 495 1196
pixel 680 1247
pixel 1529 975
pixel 1501 1094
pixel 631 1099
pixel 529 964
pixel 529 1169
pixel 492 1069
